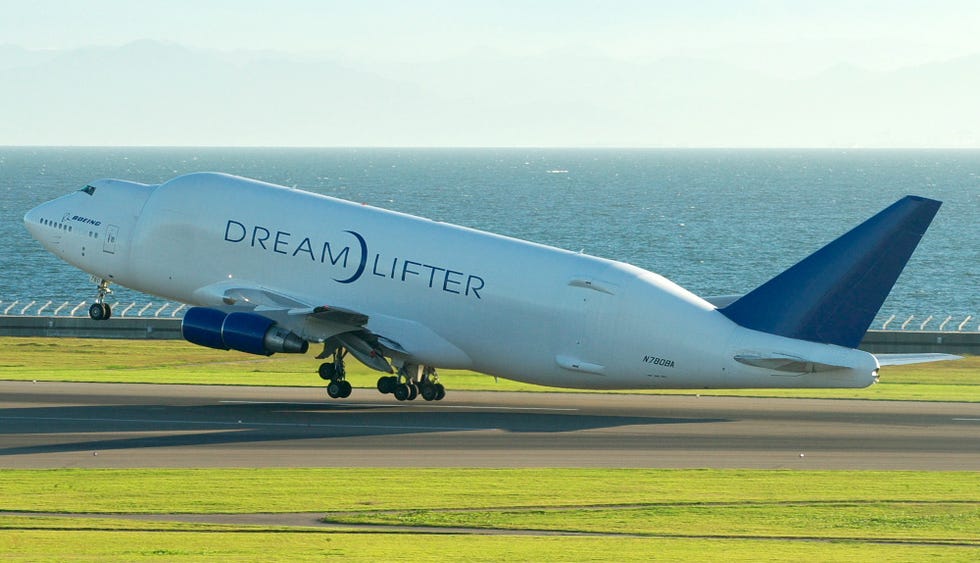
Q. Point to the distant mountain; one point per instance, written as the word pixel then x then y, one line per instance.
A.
pixel 152 93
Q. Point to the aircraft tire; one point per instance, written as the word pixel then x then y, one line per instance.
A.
pixel 335 389
pixel 429 392
pixel 440 391
pixel 345 389
pixel 402 392
pixel 99 311
pixel 327 371
pixel 387 384
pixel 413 391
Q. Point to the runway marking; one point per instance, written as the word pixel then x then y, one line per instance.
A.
pixel 967 419
pixel 244 423
pixel 422 405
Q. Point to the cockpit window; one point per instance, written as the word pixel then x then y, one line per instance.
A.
pixel 90 190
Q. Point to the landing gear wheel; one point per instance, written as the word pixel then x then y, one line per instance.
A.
pixel 387 384
pixel 99 311
pixel 402 392
pixel 335 389
pixel 440 391
pixel 327 371
pixel 345 389
pixel 429 391
pixel 413 391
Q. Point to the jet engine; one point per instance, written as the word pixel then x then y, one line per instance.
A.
pixel 245 332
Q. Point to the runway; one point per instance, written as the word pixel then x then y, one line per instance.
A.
pixel 45 425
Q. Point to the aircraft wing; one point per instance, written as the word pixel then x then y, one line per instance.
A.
pixel 359 332
pixel 266 300
pixel 315 322
pixel 903 359
pixel 238 294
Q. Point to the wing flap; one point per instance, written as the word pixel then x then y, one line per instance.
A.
pixel 337 315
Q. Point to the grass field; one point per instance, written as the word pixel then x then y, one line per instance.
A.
pixel 625 515
pixel 141 361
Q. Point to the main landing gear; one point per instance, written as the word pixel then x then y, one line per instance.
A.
pixel 336 374
pixel 100 310
pixel 413 380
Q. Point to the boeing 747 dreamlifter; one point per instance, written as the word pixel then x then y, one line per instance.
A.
pixel 271 269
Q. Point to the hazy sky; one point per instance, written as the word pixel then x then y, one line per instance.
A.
pixel 784 40
pixel 786 36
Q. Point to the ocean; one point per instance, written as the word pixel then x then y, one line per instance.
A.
pixel 718 222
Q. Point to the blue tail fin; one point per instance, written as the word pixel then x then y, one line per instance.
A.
pixel 833 295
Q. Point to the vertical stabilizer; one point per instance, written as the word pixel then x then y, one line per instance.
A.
pixel 833 295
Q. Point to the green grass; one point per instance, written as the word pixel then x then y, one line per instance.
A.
pixel 953 522
pixel 261 545
pixel 142 361
pixel 733 515
pixel 310 490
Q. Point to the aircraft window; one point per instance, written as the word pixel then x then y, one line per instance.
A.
pixel 90 190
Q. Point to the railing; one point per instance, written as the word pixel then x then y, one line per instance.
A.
pixel 931 323
pixel 24 308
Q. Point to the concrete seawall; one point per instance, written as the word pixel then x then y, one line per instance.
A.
pixel 148 328
pixel 909 342
pixel 133 328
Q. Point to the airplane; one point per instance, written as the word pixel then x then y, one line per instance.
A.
pixel 271 269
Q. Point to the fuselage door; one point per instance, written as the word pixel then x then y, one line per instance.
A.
pixel 111 234
pixel 588 329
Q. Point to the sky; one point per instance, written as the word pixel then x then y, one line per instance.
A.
pixel 755 33
pixel 783 40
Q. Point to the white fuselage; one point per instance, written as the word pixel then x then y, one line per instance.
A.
pixel 453 297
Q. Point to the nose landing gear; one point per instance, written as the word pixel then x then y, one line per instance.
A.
pixel 100 310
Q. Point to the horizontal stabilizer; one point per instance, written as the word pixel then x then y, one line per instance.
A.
pixel 904 359
pixel 833 295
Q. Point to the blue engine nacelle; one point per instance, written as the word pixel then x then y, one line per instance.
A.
pixel 245 332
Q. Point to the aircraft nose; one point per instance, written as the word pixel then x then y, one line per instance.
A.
pixel 32 220
pixel 40 223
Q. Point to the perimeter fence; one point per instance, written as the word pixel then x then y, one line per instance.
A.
pixel 69 309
